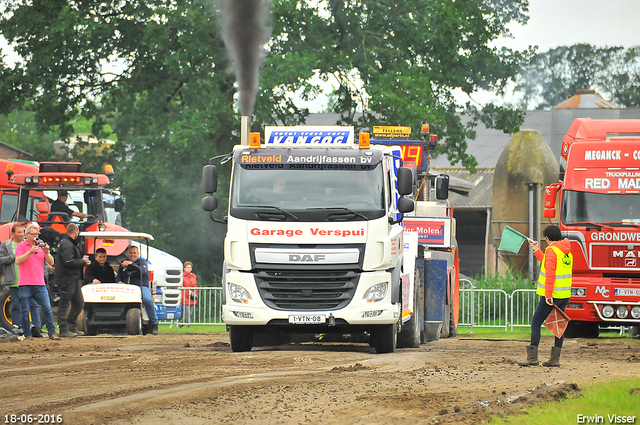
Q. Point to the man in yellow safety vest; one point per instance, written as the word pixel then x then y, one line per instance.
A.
pixel 554 287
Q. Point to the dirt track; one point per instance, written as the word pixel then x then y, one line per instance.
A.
pixel 196 379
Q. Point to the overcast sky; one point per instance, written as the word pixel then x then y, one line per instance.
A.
pixel 555 23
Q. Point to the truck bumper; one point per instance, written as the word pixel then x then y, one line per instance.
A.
pixel 358 312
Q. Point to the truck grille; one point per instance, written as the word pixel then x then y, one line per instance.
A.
pixel 614 257
pixel 307 290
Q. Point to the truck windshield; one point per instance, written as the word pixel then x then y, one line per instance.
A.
pixel 585 207
pixel 360 189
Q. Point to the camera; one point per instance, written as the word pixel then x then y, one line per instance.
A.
pixel 39 242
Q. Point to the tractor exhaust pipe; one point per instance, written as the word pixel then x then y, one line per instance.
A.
pixel 245 129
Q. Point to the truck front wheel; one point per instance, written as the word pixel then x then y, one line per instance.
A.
pixel 241 338
pixel 576 329
pixel 385 338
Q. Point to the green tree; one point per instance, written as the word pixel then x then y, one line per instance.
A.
pixel 396 62
pixel 169 98
pixel 157 72
pixel 554 76
pixel 20 129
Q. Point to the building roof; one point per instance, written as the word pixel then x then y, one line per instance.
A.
pixel 481 196
pixel 585 99
pixel 20 153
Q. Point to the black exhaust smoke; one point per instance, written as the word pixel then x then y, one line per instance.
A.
pixel 245 32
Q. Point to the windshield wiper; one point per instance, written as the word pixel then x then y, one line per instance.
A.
pixel 341 208
pixel 621 224
pixel 587 223
pixel 276 208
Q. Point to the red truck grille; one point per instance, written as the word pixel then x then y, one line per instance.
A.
pixel 615 257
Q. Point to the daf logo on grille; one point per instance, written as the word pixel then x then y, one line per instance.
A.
pixel 306 258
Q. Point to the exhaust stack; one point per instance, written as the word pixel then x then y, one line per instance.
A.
pixel 245 129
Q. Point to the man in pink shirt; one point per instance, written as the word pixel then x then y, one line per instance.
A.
pixel 30 259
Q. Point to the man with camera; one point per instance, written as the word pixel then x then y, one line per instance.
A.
pixel 8 262
pixel 31 254
pixel 68 278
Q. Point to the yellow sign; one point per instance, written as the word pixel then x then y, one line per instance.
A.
pixel 391 132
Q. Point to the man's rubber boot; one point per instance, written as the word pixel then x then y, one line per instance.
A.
pixel 75 330
pixel 532 356
pixel 554 360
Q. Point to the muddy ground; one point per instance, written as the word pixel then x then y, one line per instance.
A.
pixel 196 379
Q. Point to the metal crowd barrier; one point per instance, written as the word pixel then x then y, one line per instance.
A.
pixel 494 307
pixel 478 307
pixel 207 309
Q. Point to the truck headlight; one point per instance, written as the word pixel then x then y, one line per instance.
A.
pixel 622 312
pixel 376 293
pixel 607 311
pixel 238 294
pixel 635 312
pixel 157 298
pixel 578 292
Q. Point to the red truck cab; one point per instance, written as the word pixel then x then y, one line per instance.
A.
pixel 599 211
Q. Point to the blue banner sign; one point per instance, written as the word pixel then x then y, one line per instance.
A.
pixel 309 136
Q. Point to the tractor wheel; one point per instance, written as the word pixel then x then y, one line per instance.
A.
pixel 5 318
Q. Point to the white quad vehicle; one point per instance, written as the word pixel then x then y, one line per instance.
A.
pixel 113 306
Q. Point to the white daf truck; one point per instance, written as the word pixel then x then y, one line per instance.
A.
pixel 315 242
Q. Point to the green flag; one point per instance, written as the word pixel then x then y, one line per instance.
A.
pixel 512 240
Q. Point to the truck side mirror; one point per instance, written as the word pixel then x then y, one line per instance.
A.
pixel 442 187
pixel 405 205
pixel 209 179
pixel 405 181
pixel 550 194
pixel 209 203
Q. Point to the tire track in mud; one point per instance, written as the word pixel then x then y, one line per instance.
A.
pixel 54 365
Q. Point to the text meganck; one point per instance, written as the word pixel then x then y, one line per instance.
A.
pixel 602 155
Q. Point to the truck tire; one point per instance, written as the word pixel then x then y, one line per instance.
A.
pixel 5 318
pixel 446 322
pixel 134 321
pixel 576 329
pixel 241 338
pixel 386 338
pixel 453 329
pixel 634 331
pixel 410 335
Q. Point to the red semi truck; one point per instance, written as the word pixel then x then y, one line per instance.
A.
pixel 599 211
